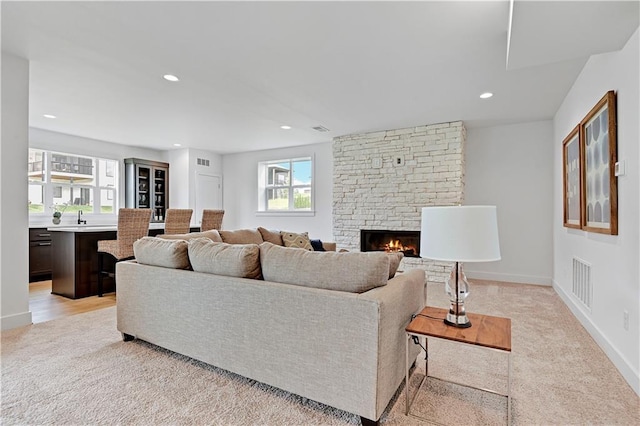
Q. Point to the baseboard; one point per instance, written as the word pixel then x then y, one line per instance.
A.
pixel 16 320
pixel 626 370
pixel 510 278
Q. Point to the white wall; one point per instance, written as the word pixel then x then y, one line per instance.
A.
pixel 179 178
pixel 14 227
pixel 61 142
pixel 240 191
pixel 512 167
pixel 183 168
pixel 614 259
pixel 214 169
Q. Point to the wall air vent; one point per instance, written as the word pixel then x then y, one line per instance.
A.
pixel 320 129
pixel 582 288
pixel 203 162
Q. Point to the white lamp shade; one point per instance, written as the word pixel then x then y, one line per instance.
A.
pixel 460 234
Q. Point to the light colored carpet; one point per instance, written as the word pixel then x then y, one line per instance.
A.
pixel 77 370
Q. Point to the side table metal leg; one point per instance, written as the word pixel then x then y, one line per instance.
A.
pixel 426 357
pixel 406 372
pixel 509 392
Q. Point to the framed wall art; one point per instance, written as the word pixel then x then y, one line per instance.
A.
pixel 599 183
pixel 572 183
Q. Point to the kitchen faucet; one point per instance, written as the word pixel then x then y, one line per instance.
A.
pixel 80 221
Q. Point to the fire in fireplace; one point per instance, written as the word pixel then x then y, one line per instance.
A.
pixel 407 242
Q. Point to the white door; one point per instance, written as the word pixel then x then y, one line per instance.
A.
pixel 208 194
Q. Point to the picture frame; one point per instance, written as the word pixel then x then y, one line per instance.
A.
pixel 599 157
pixel 572 179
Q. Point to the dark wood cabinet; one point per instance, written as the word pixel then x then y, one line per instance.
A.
pixel 39 254
pixel 147 186
pixel 75 262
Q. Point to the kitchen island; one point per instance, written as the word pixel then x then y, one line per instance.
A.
pixel 75 258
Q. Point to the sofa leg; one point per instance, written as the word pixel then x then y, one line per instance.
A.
pixel 368 422
pixel 127 337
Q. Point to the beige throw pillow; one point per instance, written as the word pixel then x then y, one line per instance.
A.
pixel 241 236
pixel 159 252
pixel 232 260
pixel 293 240
pixel 212 234
pixel 352 272
pixel 273 237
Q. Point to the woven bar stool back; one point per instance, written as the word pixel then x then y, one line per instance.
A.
pixel 133 224
pixel 177 221
pixel 211 219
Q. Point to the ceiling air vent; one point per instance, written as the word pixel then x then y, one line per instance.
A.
pixel 320 129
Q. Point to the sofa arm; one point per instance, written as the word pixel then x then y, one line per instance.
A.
pixel 403 296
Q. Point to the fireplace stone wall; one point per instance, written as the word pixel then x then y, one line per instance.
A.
pixel 381 180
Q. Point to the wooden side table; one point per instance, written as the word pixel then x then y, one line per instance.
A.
pixel 486 331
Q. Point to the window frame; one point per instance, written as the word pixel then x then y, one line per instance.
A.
pixel 95 188
pixel 264 187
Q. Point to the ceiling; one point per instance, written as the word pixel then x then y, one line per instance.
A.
pixel 246 68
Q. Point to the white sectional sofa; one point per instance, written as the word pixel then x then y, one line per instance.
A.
pixel 323 325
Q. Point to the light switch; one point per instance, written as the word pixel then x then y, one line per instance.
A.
pixel 619 168
pixel 376 163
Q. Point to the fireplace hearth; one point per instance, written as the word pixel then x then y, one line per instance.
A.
pixel 407 242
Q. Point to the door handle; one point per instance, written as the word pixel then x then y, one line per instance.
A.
pixel 44 244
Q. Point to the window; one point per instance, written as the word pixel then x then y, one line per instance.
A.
pixel 71 180
pixel 286 185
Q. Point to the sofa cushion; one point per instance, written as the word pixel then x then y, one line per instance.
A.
pixel 242 236
pixel 352 272
pixel 213 235
pixel 232 260
pixel 160 252
pixel 394 263
pixel 291 239
pixel 273 237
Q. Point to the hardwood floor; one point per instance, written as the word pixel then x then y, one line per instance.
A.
pixel 45 306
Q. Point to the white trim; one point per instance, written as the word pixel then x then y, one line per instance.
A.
pixel 511 278
pixel 16 320
pixel 286 213
pixel 624 367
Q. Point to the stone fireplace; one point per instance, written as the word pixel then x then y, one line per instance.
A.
pixel 381 181
pixel 407 242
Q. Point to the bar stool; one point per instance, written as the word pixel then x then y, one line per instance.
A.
pixel 133 224
pixel 177 221
pixel 211 219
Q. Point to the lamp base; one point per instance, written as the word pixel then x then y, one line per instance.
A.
pixel 460 321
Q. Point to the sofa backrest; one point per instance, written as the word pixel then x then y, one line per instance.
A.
pixel 353 272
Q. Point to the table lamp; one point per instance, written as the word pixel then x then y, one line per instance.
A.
pixel 459 234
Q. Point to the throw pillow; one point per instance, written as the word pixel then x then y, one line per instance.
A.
pixel 317 245
pixel 351 272
pixel 273 237
pixel 241 236
pixel 291 239
pixel 212 234
pixel 160 252
pixel 232 260
pixel 394 263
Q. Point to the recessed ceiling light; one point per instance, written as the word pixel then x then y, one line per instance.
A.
pixel 49 116
pixel 170 77
pixel 285 127
pixel 177 144
pixel 486 95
